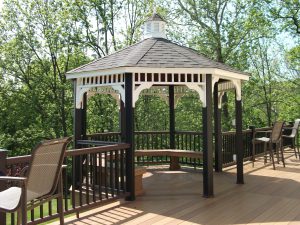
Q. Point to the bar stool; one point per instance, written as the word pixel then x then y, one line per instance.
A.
pixel 293 136
pixel 275 138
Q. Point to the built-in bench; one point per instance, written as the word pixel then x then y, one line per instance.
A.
pixel 174 155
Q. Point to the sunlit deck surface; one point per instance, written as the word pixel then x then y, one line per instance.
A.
pixel 174 197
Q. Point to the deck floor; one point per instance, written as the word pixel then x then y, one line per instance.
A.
pixel 175 197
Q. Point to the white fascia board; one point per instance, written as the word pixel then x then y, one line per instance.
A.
pixel 222 73
pixel 95 73
pixel 231 75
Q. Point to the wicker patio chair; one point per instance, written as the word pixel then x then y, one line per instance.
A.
pixel 43 183
pixel 274 139
pixel 293 136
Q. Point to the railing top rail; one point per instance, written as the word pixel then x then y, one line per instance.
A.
pixel 73 152
pixel 98 149
pixel 18 160
pixel 103 133
pixel 263 128
pixel 188 132
pixel 152 132
pixel 233 132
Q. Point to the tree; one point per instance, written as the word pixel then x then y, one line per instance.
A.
pixel 269 94
pixel 288 13
pixel 36 52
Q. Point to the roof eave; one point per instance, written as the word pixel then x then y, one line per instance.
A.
pixel 120 70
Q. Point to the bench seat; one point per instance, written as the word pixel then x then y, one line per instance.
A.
pixel 174 155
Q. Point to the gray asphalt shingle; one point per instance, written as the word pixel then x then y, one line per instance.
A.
pixel 154 52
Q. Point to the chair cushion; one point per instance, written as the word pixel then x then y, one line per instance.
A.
pixel 10 198
pixel 264 139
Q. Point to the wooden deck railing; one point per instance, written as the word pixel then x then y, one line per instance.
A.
pixel 93 176
pixel 97 174
pixel 187 140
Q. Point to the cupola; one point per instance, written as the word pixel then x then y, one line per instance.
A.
pixel 155 26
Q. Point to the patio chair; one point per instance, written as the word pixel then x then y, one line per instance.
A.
pixel 274 139
pixel 293 136
pixel 44 181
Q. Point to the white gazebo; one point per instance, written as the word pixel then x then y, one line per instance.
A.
pixel 166 69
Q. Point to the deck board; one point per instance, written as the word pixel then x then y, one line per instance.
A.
pixel 175 197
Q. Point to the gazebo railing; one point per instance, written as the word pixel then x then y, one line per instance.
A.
pixel 93 176
pixel 187 140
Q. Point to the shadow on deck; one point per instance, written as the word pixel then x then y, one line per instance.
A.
pixel 175 197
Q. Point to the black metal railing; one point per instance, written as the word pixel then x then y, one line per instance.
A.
pixel 93 176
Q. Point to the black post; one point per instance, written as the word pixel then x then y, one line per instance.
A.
pixel 172 116
pixel 129 132
pixel 252 128
pixel 218 132
pixel 239 142
pixel 3 156
pixel 79 119
pixel 208 189
pixel 122 121
pixel 79 129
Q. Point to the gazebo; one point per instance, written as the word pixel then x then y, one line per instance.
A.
pixel 169 70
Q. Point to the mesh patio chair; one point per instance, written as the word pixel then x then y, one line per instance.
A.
pixel 274 139
pixel 43 183
pixel 293 136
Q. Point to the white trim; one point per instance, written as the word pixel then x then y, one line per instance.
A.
pixel 220 95
pixel 137 90
pixel 104 72
pixel 215 79
pixel 201 90
pixel 121 91
pixel 220 72
pixel 238 89
pixel 79 96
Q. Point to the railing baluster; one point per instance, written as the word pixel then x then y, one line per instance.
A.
pixel 100 166
pixel 122 171
pixel 105 175
pixel 87 179
pixel 80 180
pixel 111 165
pixel 117 168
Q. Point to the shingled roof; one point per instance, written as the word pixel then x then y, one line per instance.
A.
pixel 155 17
pixel 154 53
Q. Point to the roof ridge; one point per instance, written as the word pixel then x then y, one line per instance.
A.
pixel 180 52
pixel 209 59
pixel 155 41
pixel 96 60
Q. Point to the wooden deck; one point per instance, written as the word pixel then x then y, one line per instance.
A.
pixel 174 197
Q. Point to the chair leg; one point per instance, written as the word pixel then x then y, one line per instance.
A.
pixel 272 155
pixel 294 146
pixel 277 153
pixel 60 201
pixel 282 155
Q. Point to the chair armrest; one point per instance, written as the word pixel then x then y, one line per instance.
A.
pixel 63 166
pixel 289 128
pixel 17 179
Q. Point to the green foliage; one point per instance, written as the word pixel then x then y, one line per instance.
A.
pixel 41 40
